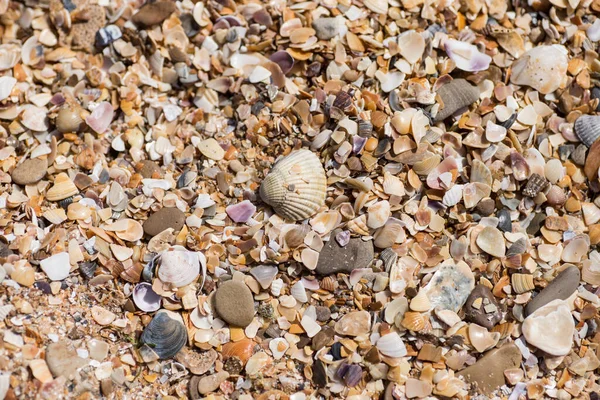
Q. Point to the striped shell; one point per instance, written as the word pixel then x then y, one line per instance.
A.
pixel 522 283
pixel 587 128
pixel 296 186
pixel 455 95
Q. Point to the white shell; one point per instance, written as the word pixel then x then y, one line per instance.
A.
pixel 453 196
pixel 310 326
pixel 10 55
pixel 591 213
pixel 276 287
pixel 550 328
pixel 180 267
pixel 391 345
pixel 4 384
pixel 299 292
pixel 278 347
pixel 590 271
pixel 5 310
pixel 296 186
pixel 576 249
pixel 57 267
pixel 264 274
pixel 481 338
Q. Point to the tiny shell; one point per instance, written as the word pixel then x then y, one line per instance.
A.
pixel 587 128
pixel 145 298
pixel 590 271
pixel 63 188
pixel 126 229
pixel 69 118
pixel 264 274
pixel 391 345
pixel 296 186
pixel 576 249
pixel 543 68
pixel 299 292
pixel 414 321
pixel 241 212
pixel 276 287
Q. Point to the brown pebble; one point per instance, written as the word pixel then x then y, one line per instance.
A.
pixel 167 217
pixel 29 172
pixel 488 372
pixel 148 169
pixel 153 13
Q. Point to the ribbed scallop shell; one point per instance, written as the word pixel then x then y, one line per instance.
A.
pixel 587 128
pixel 359 225
pixel 455 95
pixel 522 283
pixel 481 173
pixel 179 268
pixel 296 186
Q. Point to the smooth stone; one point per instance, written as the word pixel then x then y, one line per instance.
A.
pixel 536 223
pixel 147 168
pixel 234 303
pixel 488 372
pixel 578 156
pixel 319 374
pixel 322 339
pixel 479 316
pixel 166 217
pixel 98 349
pixel 335 258
pixel 211 383
pixel 323 313
pixel 193 388
pixel 561 287
pixel 153 13
pixel 62 359
pixel 355 323
pixel 326 28
pixel 29 171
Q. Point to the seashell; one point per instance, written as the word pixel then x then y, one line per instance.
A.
pixel 166 334
pixel 491 241
pixel 443 175
pixel 69 118
pixel 329 283
pixel 481 339
pixel 542 67
pixel 299 292
pixel 466 56
pixel 145 298
pixel 393 185
pixel 591 213
pixel 5 310
pixel 590 272
pixel 550 328
pixel 359 225
pixel 264 274
pixel 391 345
pixel 378 214
pixel 453 196
pixel 132 273
pixel 55 216
pixel 522 283
pixel 494 133
pixel 278 347
pixel 377 6
pixel 63 188
pixel 10 55
pixel 455 96
pixel 427 165
pixel 519 165
pixel 296 186
pixel 556 196
pixel 126 229
pixel 392 232
pixel 180 267
pixel 325 222
pixel 34 118
pixel 576 249
pixel 535 184
pixel 480 173
pixel 32 51
pixel 351 374
pixel 295 236
pixel 88 269
pixel 389 258
pixel 101 117
pixel 414 321
pixel 241 212
pixel 276 287
pixel 420 302
pixel 284 60
pixel 518 247
pixel 7 83
pixel 473 193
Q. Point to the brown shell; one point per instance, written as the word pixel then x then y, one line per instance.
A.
pixel 535 184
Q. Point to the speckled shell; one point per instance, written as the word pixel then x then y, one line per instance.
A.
pixel 166 334
pixel 535 184
pixel 455 95
pixel 587 128
pixel 296 186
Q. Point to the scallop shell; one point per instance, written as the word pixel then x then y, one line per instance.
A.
pixel 359 225
pixel 480 173
pixel 296 186
pixel 455 95
pixel 414 321
pixel 389 258
pixel 391 345
pixel 145 298
pixel 590 272
pixel 69 119
pixel 453 196
pixel 481 339
pixel 329 283
pixel 420 302
pixel 166 334
pixel 522 283
pixel 264 274
pixel 276 287
pixel 299 292
pixel 427 165
pixel 10 55
pixel 535 184
pixel 63 188
pixel 180 267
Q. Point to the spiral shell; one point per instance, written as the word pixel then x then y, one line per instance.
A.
pixel 455 95
pixel 522 283
pixel 296 186
pixel 535 184
pixel 166 334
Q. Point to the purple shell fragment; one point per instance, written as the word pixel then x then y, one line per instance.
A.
pixel 241 212
pixel 145 298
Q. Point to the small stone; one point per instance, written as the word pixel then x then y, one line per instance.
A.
pixel 166 217
pixel 504 222
pixel 323 314
pixel 486 207
pixel 62 359
pixel 355 323
pixel 326 28
pixel 210 148
pixel 561 287
pixel 193 388
pixel 322 339
pixel 579 154
pixel 536 223
pixel 148 168
pixel 488 372
pixel 334 258
pixel 479 315
pixel 319 374
pixel 197 362
pixel 29 172
pixel 102 316
pixel 107 387
pixel 153 13
pixel 234 303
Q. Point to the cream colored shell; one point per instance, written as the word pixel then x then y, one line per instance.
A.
pixel 296 186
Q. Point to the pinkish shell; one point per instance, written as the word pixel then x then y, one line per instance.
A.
pixel 145 298
pixel 357 274
pixel 310 284
pixel 358 144
pixel 466 56
pixel 284 60
pixel 99 120
pixel 241 212
pixel 343 238
pixel 435 179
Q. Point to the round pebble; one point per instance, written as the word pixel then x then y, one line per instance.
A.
pixel 167 217
pixel 29 172
pixel 234 303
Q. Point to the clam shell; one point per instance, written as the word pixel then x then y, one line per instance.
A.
pixel 264 274
pixel 299 292
pixel 420 302
pixel 391 345
pixel 5 310
pixel 166 334
pixel 414 321
pixel 427 165
pixel 443 174
pixel 278 347
pixel 453 196
pixel 491 241
pixel 296 186
pixel 480 173
pixel 4 384
pixel 591 213
pixel 392 232
pixel 63 188
pixel 69 119
pixel 145 298
pixel 389 258
pixel 180 267
pixel 576 249
pixel 481 339
pixel 455 95
pixel 329 283
pixel 295 236
pixel 522 283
